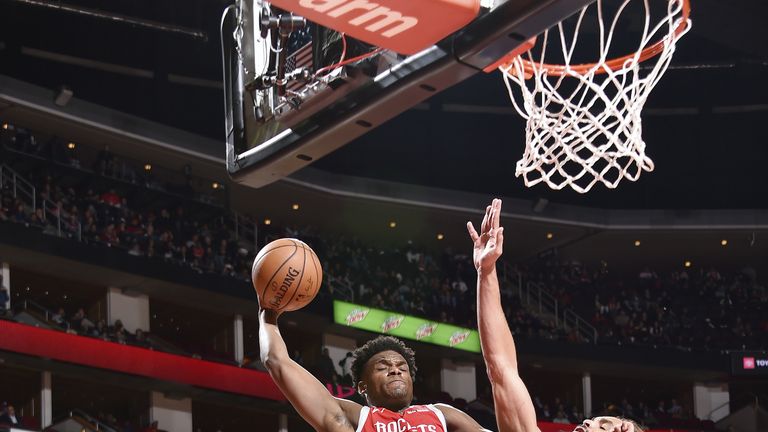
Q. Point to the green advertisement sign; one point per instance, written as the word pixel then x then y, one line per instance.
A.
pixel 405 326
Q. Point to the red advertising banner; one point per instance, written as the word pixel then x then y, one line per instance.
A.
pixel 97 353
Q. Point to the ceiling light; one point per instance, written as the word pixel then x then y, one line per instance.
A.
pixel 267 221
pixel 148 167
pixel 440 236
pixel 687 263
pixel 5 126
pixel 295 206
pixel 215 185
pixel 637 242
pixel 549 236
pixel 71 146
pixel 392 224
pixel 723 242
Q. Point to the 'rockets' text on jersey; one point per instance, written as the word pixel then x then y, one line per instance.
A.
pixel 416 418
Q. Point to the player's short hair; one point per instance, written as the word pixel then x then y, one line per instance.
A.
pixel 374 346
pixel 638 428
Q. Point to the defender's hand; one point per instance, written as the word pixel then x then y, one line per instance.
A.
pixel 488 245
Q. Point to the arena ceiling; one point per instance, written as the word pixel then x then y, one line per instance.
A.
pixel 704 124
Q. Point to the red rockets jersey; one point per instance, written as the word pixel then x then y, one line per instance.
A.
pixel 416 418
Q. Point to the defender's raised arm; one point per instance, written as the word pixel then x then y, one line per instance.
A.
pixel 514 407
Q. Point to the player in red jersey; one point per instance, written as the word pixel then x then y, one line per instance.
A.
pixel 383 371
pixel 514 408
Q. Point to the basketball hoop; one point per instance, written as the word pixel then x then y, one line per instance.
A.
pixel 583 122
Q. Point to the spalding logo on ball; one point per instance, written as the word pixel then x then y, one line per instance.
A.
pixel 286 275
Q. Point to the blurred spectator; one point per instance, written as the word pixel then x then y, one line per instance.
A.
pixel 346 369
pixel 100 330
pixel 481 409
pixel 140 339
pixel 9 417
pixel 560 417
pixel 81 322
pixel 59 317
pixel 325 369
pixel 118 333
pixel 675 410
pixel 4 298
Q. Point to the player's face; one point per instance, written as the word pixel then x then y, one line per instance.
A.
pixel 605 424
pixel 387 381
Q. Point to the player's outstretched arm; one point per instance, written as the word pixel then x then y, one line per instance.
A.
pixel 513 404
pixel 310 398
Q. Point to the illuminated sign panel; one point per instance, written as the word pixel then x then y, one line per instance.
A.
pixel 405 326
pixel 750 363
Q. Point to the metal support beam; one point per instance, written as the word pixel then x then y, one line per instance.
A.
pixel 95 13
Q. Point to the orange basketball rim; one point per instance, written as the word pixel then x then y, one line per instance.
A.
pixel 614 64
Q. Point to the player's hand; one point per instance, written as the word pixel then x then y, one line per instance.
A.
pixel 270 316
pixel 488 245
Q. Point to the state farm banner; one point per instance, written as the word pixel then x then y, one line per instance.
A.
pixel 405 326
pixel 404 26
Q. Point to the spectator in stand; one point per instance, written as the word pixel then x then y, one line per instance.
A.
pixel 3 298
pixel 20 214
pixel 574 415
pixel 119 334
pixel 110 236
pixel 9 417
pixel 675 410
pixel 481 409
pixel 111 198
pixel 325 369
pixel 81 322
pixel 627 409
pixel 346 369
pixel 59 317
pixel 100 330
pixel 140 338
pixel 560 417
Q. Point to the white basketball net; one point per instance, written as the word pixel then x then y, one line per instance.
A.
pixel 583 124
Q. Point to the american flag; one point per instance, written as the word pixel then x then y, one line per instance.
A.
pixel 298 59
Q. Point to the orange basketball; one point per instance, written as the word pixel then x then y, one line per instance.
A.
pixel 286 275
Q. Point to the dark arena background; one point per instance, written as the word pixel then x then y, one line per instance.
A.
pixel 126 301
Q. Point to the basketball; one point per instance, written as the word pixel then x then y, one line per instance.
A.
pixel 286 275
